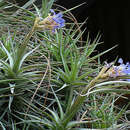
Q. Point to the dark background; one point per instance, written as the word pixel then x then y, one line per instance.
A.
pixel 111 18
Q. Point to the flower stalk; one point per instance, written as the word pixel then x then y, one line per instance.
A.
pixel 80 99
pixel 21 50
pixel 52 22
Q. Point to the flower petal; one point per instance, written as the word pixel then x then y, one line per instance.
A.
pixel 120 61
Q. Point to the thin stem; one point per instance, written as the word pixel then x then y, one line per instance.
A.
pixel 21 50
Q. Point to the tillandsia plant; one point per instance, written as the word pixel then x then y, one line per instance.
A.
pixel 13 73
pixel 75 91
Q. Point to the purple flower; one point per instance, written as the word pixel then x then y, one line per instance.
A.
pixel 59 21
pixel 52 22
pixel 125 67
pixel 120 70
